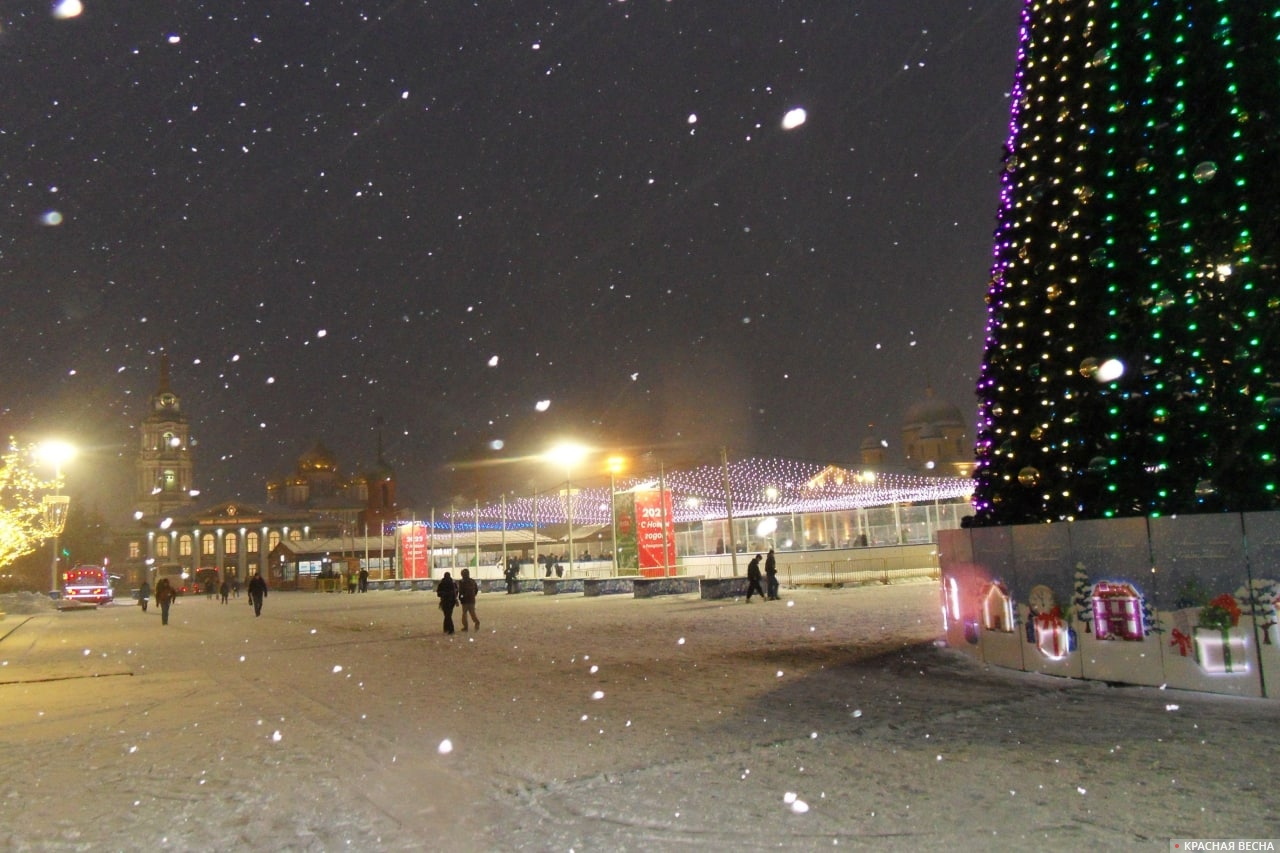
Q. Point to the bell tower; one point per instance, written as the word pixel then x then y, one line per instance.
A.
pixel 164 465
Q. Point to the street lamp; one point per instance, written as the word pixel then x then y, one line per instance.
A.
pixel 56 453
pixel 568 454
pixel 616 464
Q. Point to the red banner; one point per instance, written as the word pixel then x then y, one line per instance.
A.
pixel 652 516
pixel 414 543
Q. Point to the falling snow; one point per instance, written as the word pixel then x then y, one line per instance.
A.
pixel 369 203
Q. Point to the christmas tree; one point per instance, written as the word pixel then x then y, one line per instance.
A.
pixel 1132 362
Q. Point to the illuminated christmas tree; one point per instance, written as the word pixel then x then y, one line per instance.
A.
pixel 1132 362
pixel 22 515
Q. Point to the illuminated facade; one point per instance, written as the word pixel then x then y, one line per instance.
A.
pixel 233 537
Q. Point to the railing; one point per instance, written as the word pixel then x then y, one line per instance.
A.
pixel 835 567
pixel 852 572
pixel 841 565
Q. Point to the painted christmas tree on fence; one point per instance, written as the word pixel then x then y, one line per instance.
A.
pixel 1132 362
pixel 1083 597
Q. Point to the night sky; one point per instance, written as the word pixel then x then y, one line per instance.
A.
pixel 494 222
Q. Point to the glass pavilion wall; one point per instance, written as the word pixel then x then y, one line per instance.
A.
pixel 894 524
pixel 778 503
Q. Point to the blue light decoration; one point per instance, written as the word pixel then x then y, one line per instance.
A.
pixel 1132 358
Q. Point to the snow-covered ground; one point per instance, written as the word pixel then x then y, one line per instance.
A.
pixel 828 719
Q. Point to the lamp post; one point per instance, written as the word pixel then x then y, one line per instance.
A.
pixel 55 519
pixel 568 454
pixel 616 464
pixel 55 506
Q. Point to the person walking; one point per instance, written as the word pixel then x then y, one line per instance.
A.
pixel 753 578
pixel 771 576
pixel 224 591
pixel 257 592
pixel 467 590
pixel 363 582
pixel 164 598
pixel 447 590
pixel 144 595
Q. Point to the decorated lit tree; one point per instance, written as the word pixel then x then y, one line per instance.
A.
pixel 21 513
pixel 1132 361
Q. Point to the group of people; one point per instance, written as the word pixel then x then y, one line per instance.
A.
pixel 165 594
pixel 454 593
pixel 770 574
pixel 461 593
pixel 357 581
pixel 226 589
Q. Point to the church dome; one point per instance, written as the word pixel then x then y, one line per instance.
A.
pixel 930 430
pixel 932 411
pixel 318 458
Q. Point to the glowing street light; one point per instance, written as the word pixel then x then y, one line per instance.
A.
pixel 568 454
pixel 57 454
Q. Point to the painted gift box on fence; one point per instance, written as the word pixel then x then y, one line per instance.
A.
pixel 1219 650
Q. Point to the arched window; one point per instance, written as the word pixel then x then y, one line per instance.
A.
pixel 230 544
pixel 251 542
pixel 273 539
pixel 208 545
pixel 162 546
pixel 295 535
pixel 184 545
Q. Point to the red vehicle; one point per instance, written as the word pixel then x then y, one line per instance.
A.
pixel 206 578
pixel 90 584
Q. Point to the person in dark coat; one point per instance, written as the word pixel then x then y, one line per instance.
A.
pixel 771 576
pixel 467 590
pixel 512 574
pixel 363 580
pixel 144 595
pixel 753 578
pixel 224 590
pixel 448 592
pixel 257 592
pixel 164 598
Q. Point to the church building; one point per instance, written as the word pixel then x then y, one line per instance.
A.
pixel 233 539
